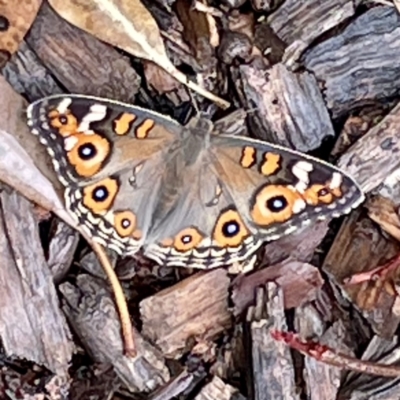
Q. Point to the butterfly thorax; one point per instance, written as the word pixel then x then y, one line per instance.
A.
pixel 185 161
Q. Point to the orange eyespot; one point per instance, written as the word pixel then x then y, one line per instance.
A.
pixel 65 123
pixel 230 231
pixel 99 197
pixel 125 223
pixel 318 193
pixel 87 153
pixel 275 203
pixel 187 239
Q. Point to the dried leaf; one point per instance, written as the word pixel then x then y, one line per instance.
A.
pixel 16 17
pixel 158 78
pixel 126 24
pixel 24 163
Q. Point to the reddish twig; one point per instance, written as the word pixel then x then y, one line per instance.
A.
pixel 328 356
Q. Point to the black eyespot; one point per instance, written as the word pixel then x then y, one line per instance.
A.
pixel 87 151
pixel 186 239
pixel 322 192
pixel 276 203
pixel 63 119
pixel 125 223
pixel 100 193
pixel 4 23
pixel 230 228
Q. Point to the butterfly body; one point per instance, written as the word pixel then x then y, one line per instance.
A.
pixel 189 197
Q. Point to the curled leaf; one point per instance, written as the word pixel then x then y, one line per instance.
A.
pixel 126 24
pixel 16 17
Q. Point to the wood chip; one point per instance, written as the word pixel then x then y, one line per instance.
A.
pixel 31 323
pixel 195 307
pixel 290 108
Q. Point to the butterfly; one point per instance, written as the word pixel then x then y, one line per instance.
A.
pixel 187 195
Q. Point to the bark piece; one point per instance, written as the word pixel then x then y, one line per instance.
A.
pixel 298 24
pixel 90 309
pixel 385 213
pixel 27 75
pixel 356 386
pixel 79 61
pixel 62 250
pixel 357 66
pixel 289 108
pixel 218 390
pixel 195 307
pixel 299 282
pixel 322 379
pixel 359 247
pixel 374 157
pixel 31 323
pixel 272 373
pixel 300 246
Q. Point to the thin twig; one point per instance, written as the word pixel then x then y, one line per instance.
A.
pixel 328 356
pixel 126 325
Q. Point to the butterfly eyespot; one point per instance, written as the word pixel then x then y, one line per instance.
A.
pixel 125 223
pixel 317 194
pixel 229 229
pixel 63 119
pixel 88 153
pixel 274 204
pixel 187 239
pixel 323 192
pixel 100 196
pixel 100 193
pixel 277 203
pixel 65 123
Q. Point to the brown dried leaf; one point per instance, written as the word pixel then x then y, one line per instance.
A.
pixel 159 79
pixel 126 24
pixel 384 212
pixel 16 17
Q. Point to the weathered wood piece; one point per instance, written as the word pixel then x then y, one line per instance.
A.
pixel 218 390
pixel 307 20
pixel 298 24
pixel 384 212
pixel 91 311
pixel 299 283
pixel 288 108
pixel 358 66
pixel 359 247
pixel 374 157
pixel 27 75
pixel 195 307
pixel 272 372
pixel 62 250
pixel 82 63
pixel 364 386
pixel 323 380
pixel 31 323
